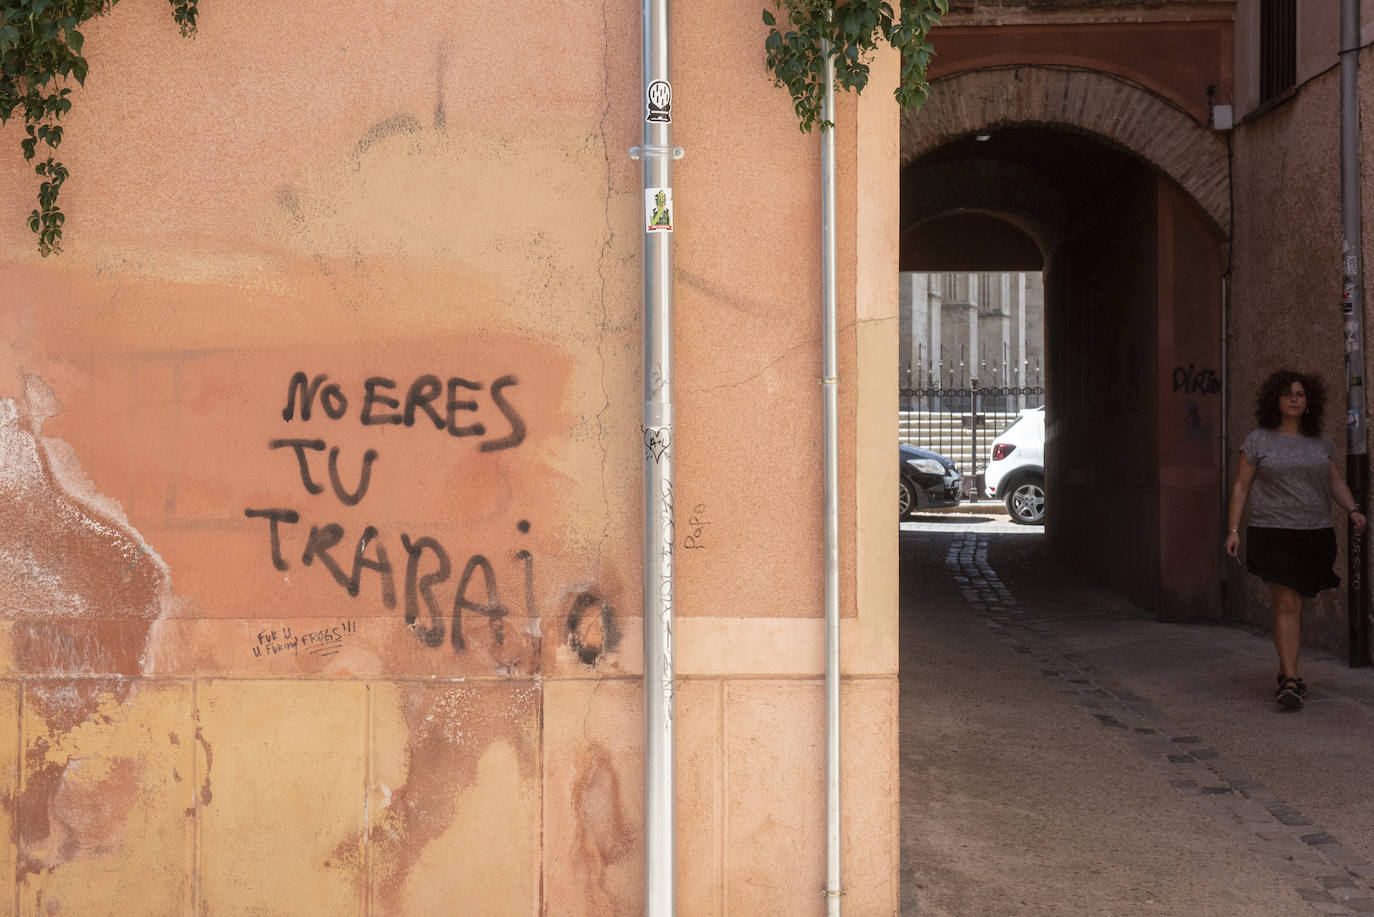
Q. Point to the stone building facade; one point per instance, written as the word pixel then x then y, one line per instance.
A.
pixel 956 329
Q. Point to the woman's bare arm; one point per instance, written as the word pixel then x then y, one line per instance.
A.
pixel 1345 499
pixel 1240 492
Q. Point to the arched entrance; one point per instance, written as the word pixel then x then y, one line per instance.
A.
pixel 1122 197
pixel 1111 109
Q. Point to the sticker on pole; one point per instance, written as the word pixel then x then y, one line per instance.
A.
pixel 658 102
pixel 658 209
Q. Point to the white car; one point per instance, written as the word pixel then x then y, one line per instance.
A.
pixel 1016 468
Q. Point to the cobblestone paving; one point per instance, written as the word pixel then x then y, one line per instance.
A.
pixel 1329 877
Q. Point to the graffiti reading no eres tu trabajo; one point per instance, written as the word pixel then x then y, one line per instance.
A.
pixel 448 406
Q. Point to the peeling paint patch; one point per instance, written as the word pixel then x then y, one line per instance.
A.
pixel 81 588
pixel 450 730
pixel 73 805
pixel 605 836
pixel 81 584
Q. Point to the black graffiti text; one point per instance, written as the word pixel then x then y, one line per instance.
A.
pixel 696 523
pixel 301 446
pixel 1193 381
pixel 450 405
pixel 427 565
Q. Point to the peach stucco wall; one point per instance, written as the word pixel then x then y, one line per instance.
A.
pixel 428 692
pixel 1286 298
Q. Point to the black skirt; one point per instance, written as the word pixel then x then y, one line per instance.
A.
pixel 1300 559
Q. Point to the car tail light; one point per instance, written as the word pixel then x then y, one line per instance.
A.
pixel 1002 450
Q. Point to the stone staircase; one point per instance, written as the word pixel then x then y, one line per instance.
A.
pixel 952 434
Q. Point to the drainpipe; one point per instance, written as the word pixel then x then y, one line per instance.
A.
pixel 657 154
pixel 1352 309
pixel 830 385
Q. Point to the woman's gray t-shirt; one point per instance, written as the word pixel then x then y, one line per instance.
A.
pixel 1292 486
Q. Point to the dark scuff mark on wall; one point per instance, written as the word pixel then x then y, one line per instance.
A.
pixel 33 806
pixel 440 65
pixel 205 794
pixel 388 127
pixel 450 730
pixel 290 201
pixel 605 837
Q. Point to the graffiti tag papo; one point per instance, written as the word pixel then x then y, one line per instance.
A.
pixel 422 564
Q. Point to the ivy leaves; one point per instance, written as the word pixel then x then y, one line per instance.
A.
pixel 853 30
pixel 40 54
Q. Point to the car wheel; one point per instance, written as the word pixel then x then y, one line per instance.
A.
pixel 905 500
pixel 1026 503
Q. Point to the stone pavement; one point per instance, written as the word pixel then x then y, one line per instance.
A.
pixel 1064 754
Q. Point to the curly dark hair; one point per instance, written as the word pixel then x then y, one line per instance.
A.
pixel 1267 401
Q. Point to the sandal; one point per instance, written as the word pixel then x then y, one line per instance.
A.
pixel 1301 689
pixel 1289 693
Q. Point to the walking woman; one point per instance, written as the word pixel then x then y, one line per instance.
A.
pixel 1288 477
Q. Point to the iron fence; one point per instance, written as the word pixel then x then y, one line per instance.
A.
pixel 961 423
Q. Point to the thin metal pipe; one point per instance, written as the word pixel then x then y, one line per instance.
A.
pixel 1227 398
pixel 830 385
pixel 1352 310
pixel 657 154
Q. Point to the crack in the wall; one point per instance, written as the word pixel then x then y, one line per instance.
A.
pixel 602 259
pixel 783 355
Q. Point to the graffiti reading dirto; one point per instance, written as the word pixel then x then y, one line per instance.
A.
pixel 1196 381
pixel 423 563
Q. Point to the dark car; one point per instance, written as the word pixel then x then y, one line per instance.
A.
pixel 928 480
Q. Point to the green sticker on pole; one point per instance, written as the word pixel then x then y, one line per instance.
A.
pixel 658 209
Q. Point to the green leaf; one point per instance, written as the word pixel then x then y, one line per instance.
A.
pixel 852 31
pixel 769 19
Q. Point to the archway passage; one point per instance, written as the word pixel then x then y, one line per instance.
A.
pixel 1133 269
pixel 1106 107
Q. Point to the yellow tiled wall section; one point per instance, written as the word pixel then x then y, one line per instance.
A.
pixel 282 796
pixel 496 796
pixel 9 791
pixel 104 808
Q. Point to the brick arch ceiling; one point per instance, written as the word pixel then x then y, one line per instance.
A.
pixel 1089 101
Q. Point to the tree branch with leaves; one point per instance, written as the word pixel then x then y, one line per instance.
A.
pixel 853 30
pixel 40 54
